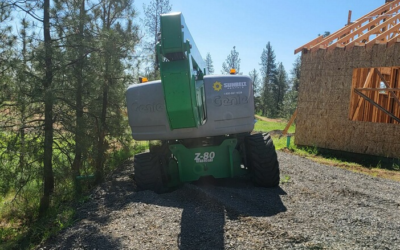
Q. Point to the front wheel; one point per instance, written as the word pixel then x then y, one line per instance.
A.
pixel 262 160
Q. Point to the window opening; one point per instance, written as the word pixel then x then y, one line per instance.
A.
pixel 375 95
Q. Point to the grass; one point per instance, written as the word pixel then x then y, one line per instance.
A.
pixel 20 227
pixel 375 166
pixel 272 124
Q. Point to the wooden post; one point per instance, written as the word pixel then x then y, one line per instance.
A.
pixel 289 123
pixel 361 99
pixel 349 18
pixel 388 86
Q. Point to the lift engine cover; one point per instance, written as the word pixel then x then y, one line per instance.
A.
pixel 229 109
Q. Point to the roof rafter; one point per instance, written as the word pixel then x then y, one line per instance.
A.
pixel 371 27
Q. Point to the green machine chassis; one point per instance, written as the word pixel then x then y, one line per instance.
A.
pixel 170 163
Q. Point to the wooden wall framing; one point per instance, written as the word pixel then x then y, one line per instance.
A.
pixel 375 95
pixel 349 97
pixel 327 100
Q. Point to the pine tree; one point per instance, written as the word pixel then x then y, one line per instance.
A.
pixel 279 88
pixel 7 40
pixel 289 104
pixel 255 78
pixel 209 64
pixel 296 73
pixel 116 42
pixel 47 83
pixel 232 62
pixel 78 45
pixel 152 13
pixel 268 72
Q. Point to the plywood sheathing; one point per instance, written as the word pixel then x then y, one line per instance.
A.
pixel 324 102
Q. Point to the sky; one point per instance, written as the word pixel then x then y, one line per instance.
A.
pixel 218 25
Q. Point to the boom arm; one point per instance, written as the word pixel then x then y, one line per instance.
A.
pixel 182 69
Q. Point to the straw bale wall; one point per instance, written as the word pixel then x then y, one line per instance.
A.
pixel 324 102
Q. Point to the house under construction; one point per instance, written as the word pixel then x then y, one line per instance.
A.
pixel 349 96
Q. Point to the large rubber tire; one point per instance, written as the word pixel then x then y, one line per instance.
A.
pixel 164 154
pixel 148 173
pixel 262 160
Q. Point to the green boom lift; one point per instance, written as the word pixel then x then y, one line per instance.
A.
pixel 201 124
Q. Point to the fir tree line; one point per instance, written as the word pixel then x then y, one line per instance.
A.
pixel 63 73
pixel 275 94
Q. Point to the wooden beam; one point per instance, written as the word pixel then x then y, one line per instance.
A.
pixel 349 18
pixel 357 24
pixel 309 44
pixel 388 86
pixel 290 123
pixel 367 81
pixel 327 42
pixel 378 89
pixel 354 98
pixel 392 41
pixel 377 105
pixel 391 21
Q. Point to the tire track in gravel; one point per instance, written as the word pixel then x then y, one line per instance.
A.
pixel 320 207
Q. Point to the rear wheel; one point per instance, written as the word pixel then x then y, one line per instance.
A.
pixel 148 172
pixel 262 160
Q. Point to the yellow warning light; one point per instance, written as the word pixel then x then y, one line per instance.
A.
pixel 143 79
pixel 233 71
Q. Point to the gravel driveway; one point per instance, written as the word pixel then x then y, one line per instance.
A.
pixel 316 207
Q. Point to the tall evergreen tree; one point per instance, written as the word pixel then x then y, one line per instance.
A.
pixel 255 77
pixel 232 61
pixel 209 64
pixel 73 19
pixel 6 38
pixel 290 100
pixel 256 88
pixel 279 88
pixel 268 72
pixel 296 73
pixel 48 185
pixel 289 104
pixel 116 43
pixel 152 13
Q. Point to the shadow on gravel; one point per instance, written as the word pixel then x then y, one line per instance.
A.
pixel 89 237
pixel 203 226
pixel 205 206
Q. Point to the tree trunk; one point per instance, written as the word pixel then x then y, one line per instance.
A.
pixel 101 144
pixel 48 185
pixel 77 163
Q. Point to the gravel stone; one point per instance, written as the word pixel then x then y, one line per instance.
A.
pixel 316 207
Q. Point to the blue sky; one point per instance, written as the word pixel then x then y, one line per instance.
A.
pixel 218 25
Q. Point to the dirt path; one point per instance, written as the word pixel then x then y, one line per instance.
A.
pixel 268 119
pixel 317 207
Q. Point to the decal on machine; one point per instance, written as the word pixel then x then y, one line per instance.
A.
pixel 217 86
pixel 235 85
pixel 230 100
pixel 205 157
pixel 148 108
